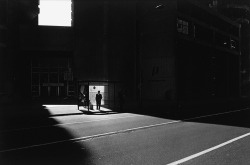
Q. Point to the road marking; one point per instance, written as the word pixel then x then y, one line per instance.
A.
pixel 208 150
pixel 129 130
pixel 84 138
pixel 55 125
pixel 216 114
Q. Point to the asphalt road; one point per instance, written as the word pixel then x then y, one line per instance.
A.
pixel 70 137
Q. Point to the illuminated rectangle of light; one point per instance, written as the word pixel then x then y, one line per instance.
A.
pixel 93 90
pixel 55 13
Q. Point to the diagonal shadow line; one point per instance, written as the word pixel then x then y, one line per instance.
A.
pixel 66 114
pixel 85 112
pixel 98 112
pixel 54 154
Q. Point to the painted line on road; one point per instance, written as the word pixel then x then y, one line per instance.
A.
pixel 216 114
pixel 208 150
pixel 129 130
pixel 55 125
pixel 90 137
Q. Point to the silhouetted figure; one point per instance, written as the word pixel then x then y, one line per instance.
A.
pixel 121 96
pixel 80 99
pixel 98 99
pixel 84 100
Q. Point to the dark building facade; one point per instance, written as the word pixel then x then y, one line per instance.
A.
pixel 239 11
pixel 190 55
pixel 163 54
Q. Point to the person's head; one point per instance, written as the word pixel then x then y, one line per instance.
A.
pixel 98 92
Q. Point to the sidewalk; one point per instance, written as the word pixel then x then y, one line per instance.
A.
pixel 21 116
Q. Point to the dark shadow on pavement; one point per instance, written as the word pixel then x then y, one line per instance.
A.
pixel 35 146
pixel 217 112
pixel 234 118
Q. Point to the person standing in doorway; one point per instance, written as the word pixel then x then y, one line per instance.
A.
pixel 98 99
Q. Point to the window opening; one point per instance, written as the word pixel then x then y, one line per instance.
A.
pixel 55 13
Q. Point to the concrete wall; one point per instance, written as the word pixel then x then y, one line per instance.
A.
pixel 8 47
pixel 157 51
pixel 105 41
pixel 47 38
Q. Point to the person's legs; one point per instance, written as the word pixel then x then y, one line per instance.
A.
pixel 99 105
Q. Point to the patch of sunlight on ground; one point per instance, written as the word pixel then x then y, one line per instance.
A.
pixel 64 110
pixel 61 109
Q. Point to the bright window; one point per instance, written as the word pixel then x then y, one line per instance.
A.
pixel 55 13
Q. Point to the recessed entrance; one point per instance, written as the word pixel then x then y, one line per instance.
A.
pixel 93 90
pixel 89 89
